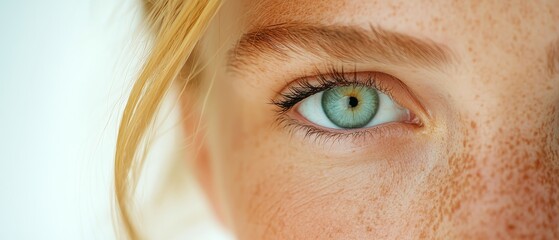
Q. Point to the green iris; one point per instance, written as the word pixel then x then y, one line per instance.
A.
pixel 350 106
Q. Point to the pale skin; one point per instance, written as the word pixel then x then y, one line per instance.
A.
pixel 482 164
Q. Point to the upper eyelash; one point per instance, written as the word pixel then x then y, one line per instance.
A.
pixel 306 87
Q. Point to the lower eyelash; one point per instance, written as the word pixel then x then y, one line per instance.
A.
pixel 321 136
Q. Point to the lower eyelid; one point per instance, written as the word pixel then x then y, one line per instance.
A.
pixel 361 137
pixel 295 118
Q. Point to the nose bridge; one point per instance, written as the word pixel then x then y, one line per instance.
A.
pixel 514 167
pixel 515 142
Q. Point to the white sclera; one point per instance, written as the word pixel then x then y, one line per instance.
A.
pixel 388 111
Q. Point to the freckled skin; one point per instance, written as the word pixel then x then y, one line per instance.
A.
pixel 485 166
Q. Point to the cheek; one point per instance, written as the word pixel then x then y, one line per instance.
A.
pixel 500 180
pixel 292 197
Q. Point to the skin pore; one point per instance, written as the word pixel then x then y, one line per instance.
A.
pixel 481 77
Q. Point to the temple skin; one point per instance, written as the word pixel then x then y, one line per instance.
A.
pixel 484 164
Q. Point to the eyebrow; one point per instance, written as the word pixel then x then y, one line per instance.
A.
pixel 343 43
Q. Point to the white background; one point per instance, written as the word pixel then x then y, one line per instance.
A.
pixel 64 74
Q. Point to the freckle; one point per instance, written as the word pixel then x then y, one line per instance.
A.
pixel 511 227
pixel 361 211
pixel 473 124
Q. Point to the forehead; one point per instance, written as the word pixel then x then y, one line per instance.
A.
pixel 274 11
pixel 435 18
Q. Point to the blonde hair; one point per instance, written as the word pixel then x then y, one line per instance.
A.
pixel 177 25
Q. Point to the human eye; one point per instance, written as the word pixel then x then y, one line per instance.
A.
pixel 338 103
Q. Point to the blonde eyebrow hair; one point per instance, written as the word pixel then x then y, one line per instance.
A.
pixel 342 43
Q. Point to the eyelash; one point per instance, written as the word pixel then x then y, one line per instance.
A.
pixel 321 81
pixel 304 87
pixel 320 136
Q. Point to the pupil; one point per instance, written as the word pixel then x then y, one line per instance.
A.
pixel 353 102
